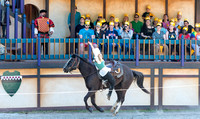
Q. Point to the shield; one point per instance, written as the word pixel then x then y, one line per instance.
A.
pixel 11 82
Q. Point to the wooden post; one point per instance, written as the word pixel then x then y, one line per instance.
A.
pixel 47 7
pixel 136 6
pixel 72 18
pixel 197 11
pixel 166 6
pixel 104 9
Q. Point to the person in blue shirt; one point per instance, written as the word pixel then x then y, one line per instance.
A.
pixel 86 33
pixel 110 34
pixel 77 18
pixel 117 27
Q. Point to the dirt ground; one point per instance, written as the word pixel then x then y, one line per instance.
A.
pixel 107 115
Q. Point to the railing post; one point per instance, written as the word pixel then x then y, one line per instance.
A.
pixel 32 29
pixel 90 53
pixel 24 32
pixel 182 51
pixel 32 34
pixel 137 50
pixel 13 5
pixel 16 23
pixel 22 6
pixel 39 52
pixel 7 20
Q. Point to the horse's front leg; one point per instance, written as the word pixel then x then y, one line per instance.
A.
pixel 94 104
pixel 89 94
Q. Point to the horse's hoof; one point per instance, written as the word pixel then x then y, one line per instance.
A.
pixel 100 110
pixel 90 109
pixel 114 114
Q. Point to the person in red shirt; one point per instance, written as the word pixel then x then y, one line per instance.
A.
pixel 44 27
pixel 185 34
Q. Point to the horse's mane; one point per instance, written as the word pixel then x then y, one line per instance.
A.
pixel 84 60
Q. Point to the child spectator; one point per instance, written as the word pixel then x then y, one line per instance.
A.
pixel 98 32
pixel 196 36
pixel 189 27
pixel 147 30
pixel 117 27
pixel 80 26
pixel 112 18
pixel 110 34
pixel 172 35
pixel 136 25
pixel 184 33
pixel 155 22
pixel 162 29
pixel 100 16
pixel 104 27
pixel 125 19
pixel 165 22
pixel 159 35
pixel 146 33
pixel 147 13
pixel 86 33
pixel 88 18
pixel 127 34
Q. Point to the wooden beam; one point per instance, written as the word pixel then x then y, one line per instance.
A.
pixel 72 18
pixel 47 7
pixel 136 6
pixel 197 11
pixel 104 9
pixel 166 6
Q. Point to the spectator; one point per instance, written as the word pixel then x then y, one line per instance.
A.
pixel 136 25
pixel 127 34
pixel 162 29
pixel 104 27
pixel 189 27
pixel 44 27
pixel 196 36
pixel 179 23
pixel 77 18
pixel 112 18
pixel 86 33
pixel 147 13
pixel 184 33
pixel 98 32
pixel 125 19
pixel 80 26
pixel 147 30
pixel 165 21
pixel 110 34
pixel 155 22
pixel 100 16
pixel 172 35
pixel 2 49
pixel 91 24
pixel 117 27
pixel 159 35
pixel 146 33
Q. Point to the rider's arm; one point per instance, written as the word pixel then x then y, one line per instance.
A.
pixel 91 45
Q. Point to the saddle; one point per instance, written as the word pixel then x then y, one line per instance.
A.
pixel 116 68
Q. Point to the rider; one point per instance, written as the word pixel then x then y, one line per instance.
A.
pixel 103 70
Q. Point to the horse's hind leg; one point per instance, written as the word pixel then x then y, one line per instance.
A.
pixel 121 96
pixel 94 104
pixel 89 94
pixel 117 102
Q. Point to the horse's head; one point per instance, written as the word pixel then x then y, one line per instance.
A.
pixel 72 64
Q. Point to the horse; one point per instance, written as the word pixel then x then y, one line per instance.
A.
pixel 94 83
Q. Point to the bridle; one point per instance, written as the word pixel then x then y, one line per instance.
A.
pixel 77 60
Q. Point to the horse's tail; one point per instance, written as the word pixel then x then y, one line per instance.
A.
pixel 140 79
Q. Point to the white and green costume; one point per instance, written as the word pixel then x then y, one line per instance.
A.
pixel 103 70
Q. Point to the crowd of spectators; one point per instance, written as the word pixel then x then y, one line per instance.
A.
pixel 150 28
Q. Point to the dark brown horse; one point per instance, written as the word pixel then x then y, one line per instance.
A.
pixel 93 83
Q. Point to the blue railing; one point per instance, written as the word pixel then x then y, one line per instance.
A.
pixel 119 49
